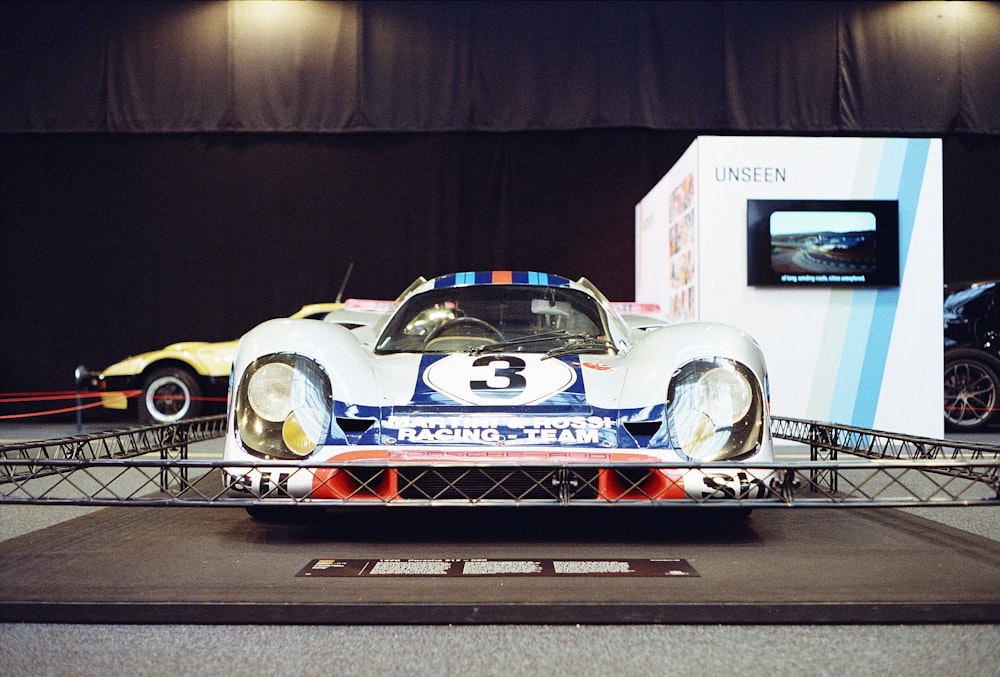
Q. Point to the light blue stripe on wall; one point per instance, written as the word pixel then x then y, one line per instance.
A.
pixel 901 174
pixel 850 368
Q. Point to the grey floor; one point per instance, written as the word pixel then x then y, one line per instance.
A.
pixel 85 649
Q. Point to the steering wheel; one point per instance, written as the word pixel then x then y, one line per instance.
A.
pixel 469 322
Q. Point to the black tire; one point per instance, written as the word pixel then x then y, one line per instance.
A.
pixel 971 391
pixel 169 395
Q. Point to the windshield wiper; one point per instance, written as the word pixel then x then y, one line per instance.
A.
pixel 501 346
pixel 582 343
pixel 574 343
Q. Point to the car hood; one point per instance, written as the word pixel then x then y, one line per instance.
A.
pixel 207 358
pixel 502 399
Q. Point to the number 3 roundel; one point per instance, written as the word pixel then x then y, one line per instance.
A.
pixel 507 380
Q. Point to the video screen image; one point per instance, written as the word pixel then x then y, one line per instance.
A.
pixel 828 242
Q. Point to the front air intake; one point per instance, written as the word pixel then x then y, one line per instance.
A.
pixel 497 483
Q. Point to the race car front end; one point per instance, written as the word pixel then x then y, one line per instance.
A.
pixel 496 428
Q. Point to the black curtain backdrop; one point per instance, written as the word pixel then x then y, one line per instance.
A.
pixel 861 67
pixel 115 244
pixel 184 170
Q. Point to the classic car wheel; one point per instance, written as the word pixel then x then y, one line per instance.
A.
pixel 169 395
pixel 971 390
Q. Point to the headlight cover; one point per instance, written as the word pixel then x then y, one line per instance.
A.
pixel 715 410
pixel 283 406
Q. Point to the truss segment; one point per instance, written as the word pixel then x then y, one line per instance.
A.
pixel 150 465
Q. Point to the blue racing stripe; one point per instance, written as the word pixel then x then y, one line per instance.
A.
pixel 487 277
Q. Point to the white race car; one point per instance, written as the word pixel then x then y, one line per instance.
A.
pixel 497 387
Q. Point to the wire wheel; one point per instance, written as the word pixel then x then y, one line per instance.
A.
pixel 169 395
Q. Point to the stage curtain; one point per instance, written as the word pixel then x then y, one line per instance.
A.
pixel 182 66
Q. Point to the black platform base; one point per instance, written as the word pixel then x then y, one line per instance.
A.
pixel 216 565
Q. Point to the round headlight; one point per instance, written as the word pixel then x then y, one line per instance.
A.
pixel 714 411
pixel 270 391
pixel 727 395
pixel 303 430
pixel 284 406
pixel 693 429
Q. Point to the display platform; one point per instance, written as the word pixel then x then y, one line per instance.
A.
pixel 512 565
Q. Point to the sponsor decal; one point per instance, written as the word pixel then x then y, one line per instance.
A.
pixel 501 429
pixel 737 485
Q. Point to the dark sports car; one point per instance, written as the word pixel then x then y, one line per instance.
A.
pixel 971 356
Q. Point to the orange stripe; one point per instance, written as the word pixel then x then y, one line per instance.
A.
pixel 502 276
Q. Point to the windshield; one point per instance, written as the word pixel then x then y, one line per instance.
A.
pixel 956 301
pixel 508 317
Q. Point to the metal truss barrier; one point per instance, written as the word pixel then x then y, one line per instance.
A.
pixel 150 466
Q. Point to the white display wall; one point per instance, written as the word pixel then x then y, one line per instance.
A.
pixel 864 356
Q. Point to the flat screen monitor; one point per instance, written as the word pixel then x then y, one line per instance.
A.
pixel 823 242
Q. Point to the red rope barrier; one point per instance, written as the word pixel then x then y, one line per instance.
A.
pixel 40 397
pixel 57 395
pixel 92 405
pixel 31 393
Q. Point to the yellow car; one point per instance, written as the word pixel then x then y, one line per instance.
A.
pixel 176 382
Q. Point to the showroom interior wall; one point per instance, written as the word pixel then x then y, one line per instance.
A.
pixel 183 170
pixel 842 333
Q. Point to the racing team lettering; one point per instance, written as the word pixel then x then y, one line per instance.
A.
pixel 501 429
